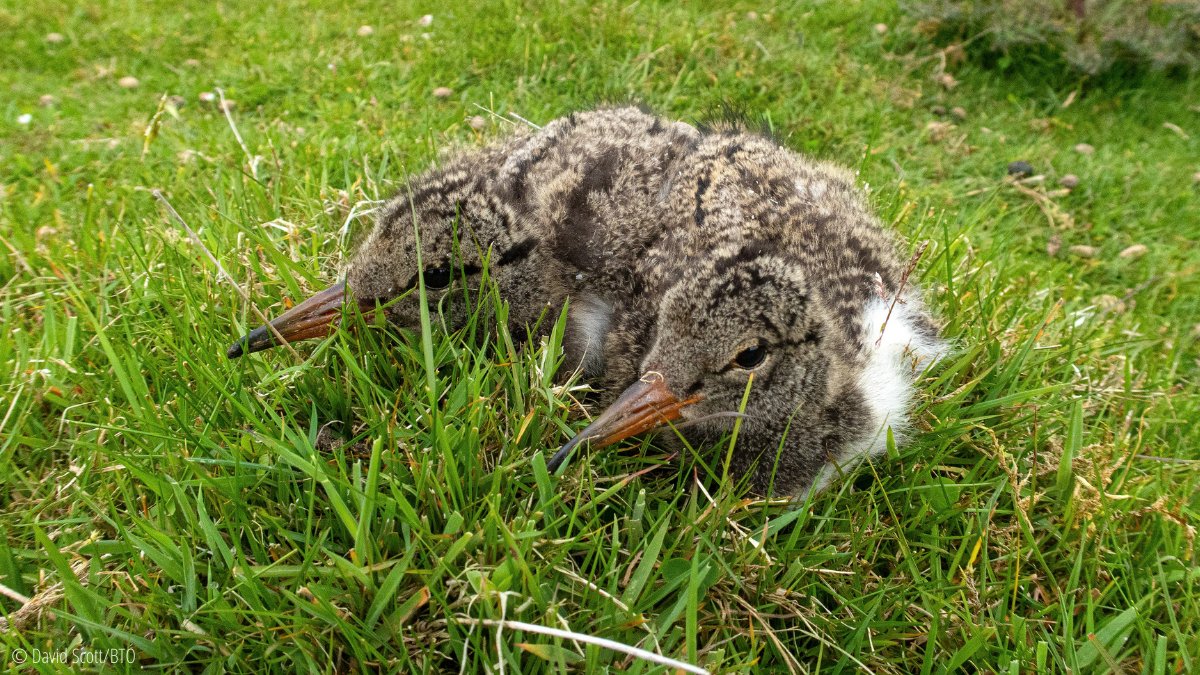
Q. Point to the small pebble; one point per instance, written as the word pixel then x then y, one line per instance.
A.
pixel 1069 181
pixel 24 119
pixel 192 63
pixel 752 16
pixel 442 92
pixel 477 122
pixel 54 38
pixel 938 110
pixel 207 96
pixel 881 28
pixel 128 82
pixel 1135 251
pixel 1084 149
pixel 47 100
pixel 1054 245
pixel 1084 251
pixel 426 20
pixel 176 100
pixel 947 80
pixel 227 105
pixel 1110 303
pixel 365 31
pixel 959 112
pixel 1020 169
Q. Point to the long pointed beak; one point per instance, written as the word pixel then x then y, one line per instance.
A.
pixel 645 405
pixel 315 317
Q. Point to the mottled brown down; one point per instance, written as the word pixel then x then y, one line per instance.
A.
pixel 709 260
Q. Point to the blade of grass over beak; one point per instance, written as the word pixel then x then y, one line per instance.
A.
pixel 737 427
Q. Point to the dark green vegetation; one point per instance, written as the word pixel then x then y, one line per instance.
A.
pixel 1091 35
pixel 1045 518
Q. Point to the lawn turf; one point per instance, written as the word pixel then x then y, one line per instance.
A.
pixel 1043 520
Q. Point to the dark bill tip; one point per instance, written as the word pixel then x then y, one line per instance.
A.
pixel 563 453
pixel 235 349
pixel 315 317
pixel 647 404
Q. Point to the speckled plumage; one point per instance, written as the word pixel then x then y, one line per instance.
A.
pixel 761 246
pixel 696 260
pixel 562 209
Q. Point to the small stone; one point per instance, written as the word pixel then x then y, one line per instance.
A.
pixel 1135 251
pixel 47 100
pixel 426 20
pixel 752 16
pixel 938 110
pixel 55 38
pixel 1110 303
pixel 477 122
pixel 364 31
pixel 227 105
pixel 207 97
pixel 1020 169
pixel 192 63
pixel 442 92
pixel 1084 149
pixel 176 100
pixel 1084 251
pixel 947 81
pixel 128 82
pixel 1069 181
pixel 25 119
pixel 1053 246
pixel 959 112
pixel 881 29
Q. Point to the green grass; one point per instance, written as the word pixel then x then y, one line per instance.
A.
pixel 1043 522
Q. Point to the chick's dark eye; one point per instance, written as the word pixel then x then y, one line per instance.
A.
pixel 751 357
pixel 437 277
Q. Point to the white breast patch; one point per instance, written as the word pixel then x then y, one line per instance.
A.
pixel 898 356
pixel 590 317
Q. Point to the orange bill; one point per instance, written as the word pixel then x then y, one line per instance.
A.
pixel 315 317
pixel 647 404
